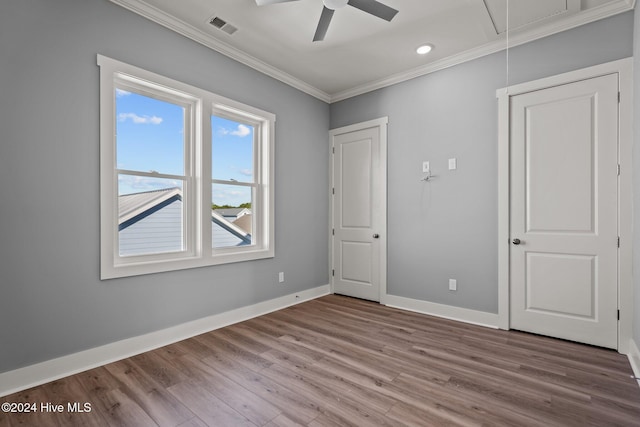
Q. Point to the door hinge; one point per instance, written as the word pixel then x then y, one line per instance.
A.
pixel 333 272
pixel 618 169
pixel 333 231
pixel 618 314
pixel 618 241
pixel 333 150
pixel 618 97
pixel 333 190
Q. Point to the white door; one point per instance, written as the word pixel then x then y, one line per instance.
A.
pixel 564 208
pixel 359 210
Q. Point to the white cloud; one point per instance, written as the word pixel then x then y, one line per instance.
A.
pixel 140 120
pixel 246 172
pixel 241 131
pixel 121 92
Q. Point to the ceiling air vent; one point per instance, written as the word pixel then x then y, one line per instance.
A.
pixel 223 25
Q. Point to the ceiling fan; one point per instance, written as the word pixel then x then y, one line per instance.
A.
pixel 372 7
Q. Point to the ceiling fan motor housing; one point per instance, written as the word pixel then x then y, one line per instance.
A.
pixel 335 4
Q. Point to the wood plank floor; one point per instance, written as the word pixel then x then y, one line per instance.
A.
pixel 338 361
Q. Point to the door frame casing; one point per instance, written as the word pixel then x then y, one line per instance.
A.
pixel 380 123
pixel 623 68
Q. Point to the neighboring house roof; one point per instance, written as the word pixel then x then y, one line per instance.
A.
pixel 133 207
pixel 151 222
pixel 245 222
pixel 230 232
pixel 233 212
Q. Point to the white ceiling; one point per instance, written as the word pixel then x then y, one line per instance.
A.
pixel 362 52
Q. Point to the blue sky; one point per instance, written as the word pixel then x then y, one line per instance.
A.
pixel 150 138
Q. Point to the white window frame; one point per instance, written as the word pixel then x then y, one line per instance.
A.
pixel 199 105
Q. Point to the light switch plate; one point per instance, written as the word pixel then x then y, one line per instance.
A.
pixel 453 164
pixel 453 285
pixel 425 167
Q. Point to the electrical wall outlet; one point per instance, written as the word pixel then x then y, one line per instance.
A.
pixel 425 167
pixel 453 285
pixel 281 277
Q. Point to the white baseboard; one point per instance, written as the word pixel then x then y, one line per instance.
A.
pixel 634 358
pixel 459 314
pixel 51 370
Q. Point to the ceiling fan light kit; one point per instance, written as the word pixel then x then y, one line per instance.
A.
pixel 372 7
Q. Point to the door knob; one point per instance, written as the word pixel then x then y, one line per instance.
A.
pixel 516 241
pixel 375 236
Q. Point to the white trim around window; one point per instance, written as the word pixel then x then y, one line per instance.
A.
pixel 196 183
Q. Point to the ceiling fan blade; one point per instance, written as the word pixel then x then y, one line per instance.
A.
pixel 323 25
pixel 266 2
pixel 375 8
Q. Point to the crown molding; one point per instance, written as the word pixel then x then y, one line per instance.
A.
pixel 159 17
pixel 585 17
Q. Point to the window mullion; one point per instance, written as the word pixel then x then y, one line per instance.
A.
pixel 188 220
pixel 204 162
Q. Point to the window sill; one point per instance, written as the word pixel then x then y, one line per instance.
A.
pixel 110 271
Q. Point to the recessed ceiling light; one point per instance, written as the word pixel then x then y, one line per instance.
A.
pixel 424 49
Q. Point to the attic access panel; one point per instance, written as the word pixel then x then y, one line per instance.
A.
pixel 523 13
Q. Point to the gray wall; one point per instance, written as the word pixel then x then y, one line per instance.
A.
pixel 52 302
pixel 636 175
pixel 448 228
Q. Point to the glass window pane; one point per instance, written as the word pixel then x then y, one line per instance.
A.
pixel 231 150
pixel 149 134
pixel 231 215
pixel 150 220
